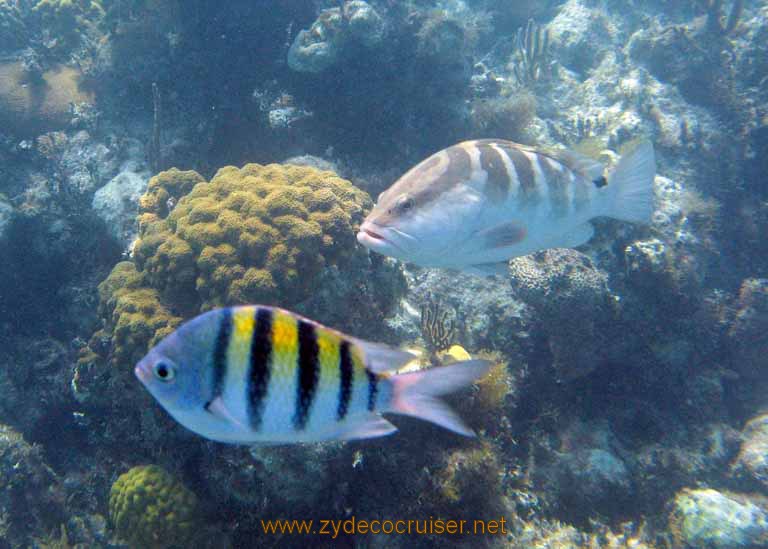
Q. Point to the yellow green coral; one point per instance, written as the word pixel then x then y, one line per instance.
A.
pixel 150 509
pixel 257 234
pixel 133 313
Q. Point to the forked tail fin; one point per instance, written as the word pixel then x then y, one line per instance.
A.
pixel 630 185
pixel 417 394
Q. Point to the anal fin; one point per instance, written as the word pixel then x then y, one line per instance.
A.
pixel 577 236
pixel 373 426
pixel 500 268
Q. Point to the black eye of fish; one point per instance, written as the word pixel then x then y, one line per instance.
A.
pixel 406 203
pixel 163 371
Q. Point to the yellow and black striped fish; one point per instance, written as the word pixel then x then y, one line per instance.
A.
pixel 259 374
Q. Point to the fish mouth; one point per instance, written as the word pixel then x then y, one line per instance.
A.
pixel 381 239
pixel 142 372
pixel 372 234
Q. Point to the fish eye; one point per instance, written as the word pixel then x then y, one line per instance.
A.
pixel 405 203
pixel 164 371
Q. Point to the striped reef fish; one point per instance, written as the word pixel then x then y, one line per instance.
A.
pixel 256 374
pixel 477 204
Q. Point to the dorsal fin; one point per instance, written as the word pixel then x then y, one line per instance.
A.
pixel 380 358
pixel 580 164
pixel 577 163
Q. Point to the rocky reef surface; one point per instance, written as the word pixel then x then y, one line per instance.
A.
pixel 158 159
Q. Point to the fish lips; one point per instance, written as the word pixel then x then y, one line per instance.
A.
pixel 142 373
pixel 379 239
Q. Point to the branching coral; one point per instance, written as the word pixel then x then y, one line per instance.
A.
pixel 438 328
pixel 532 60
pixel 717 22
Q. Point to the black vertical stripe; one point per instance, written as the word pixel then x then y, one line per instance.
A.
pixel 346 374
pixel 308 373
pixel 373 389
pixel 220 352
pixel 259 371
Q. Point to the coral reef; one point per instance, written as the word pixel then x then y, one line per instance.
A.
pixel 747 332
pixel 752 461
pixel 116 203
pixel 624 372
pixel 318 48
pixel 532 60
pixel 260 234
pixel 149 508
pixel 708 518
pixel 565 284
pixel 506 117
pixel 35 103
pixel 13 31
pixel 438 328
pixel 134 316
pixel 31 496
pixel 255 235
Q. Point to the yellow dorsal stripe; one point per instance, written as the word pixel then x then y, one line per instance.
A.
pixel 328 344
pixel 285 345
pixel 239 350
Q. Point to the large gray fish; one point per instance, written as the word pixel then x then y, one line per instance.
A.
pixel 259 374
pixel 477 204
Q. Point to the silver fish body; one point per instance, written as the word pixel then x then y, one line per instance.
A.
pixel 477 204
pixel 256 374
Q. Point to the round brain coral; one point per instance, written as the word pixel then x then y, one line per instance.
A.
pixel 277 235
pixel 259 234
pixel 149 508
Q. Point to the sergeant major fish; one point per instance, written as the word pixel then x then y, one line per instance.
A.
pixel 477 204
pixel 259 374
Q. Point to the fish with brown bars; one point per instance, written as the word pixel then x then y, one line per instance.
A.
pixel 477 204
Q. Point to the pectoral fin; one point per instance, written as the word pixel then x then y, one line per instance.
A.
pixel 503 235
pixel 219 410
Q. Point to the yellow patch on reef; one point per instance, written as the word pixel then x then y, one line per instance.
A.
pixel 457 353
pixel 285 345
pixel 239 351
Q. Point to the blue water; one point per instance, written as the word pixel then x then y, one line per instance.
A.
pixel 627 404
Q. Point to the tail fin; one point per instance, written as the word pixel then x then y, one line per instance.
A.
pixel 630 185
pixel 417 394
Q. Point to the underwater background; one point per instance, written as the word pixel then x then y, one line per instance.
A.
pixel 628 404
